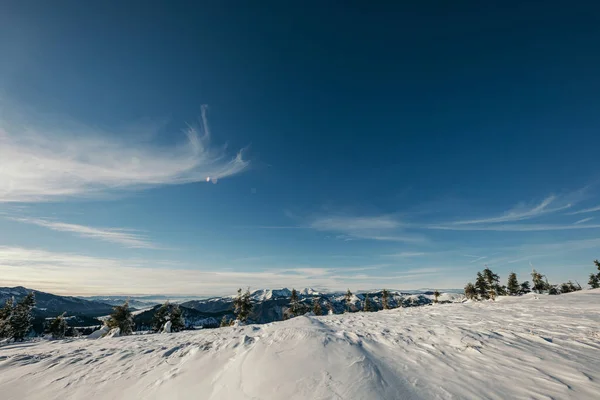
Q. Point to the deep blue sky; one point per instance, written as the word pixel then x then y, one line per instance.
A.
pixel 387 145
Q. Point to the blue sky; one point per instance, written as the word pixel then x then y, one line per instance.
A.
pixel 194 149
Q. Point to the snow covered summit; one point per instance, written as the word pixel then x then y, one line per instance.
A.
pixel 534 346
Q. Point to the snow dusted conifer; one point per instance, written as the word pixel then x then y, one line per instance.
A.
pixel 161 316
pixel 317 310
pixel 385 299
pixel 294 303
pixel 539 285
pixel 367 305
pixel 436 295
pixel 176 318
pixel 121 318
pixel 6 314
pixel 224 321
pixel 493 283
pixel 513 285
pixel 58 327
pixel 348 300
pixel 525 288
pixel 470 291
pixel 22 317
pixel 482 287
pixel 242 305
pixel 594 281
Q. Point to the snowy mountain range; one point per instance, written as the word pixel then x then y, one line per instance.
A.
pixel 269 305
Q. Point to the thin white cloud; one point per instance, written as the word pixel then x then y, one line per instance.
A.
pixel 518 213
pixel 379 228
pixel 512 227
pixel 406 254
pixel 45 162
pixel 582 221
pixel 349 224
pixel 477 259
pixel 587 210
pixel 125 237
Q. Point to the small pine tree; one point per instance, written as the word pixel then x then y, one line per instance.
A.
pixel 294 303
pixel 22 317
pixel 58 327
pixel 539 284
pixel 470 291
pixel 525 288
pixel 224 321
pixel 482 287
pixel 348 300
pixel 436 295
pixel 242 305
pixel 384 299
pixel 594 281
pixel 121 318
pixel 367 305
pixel 6 314
pixel 493 283
pixel 176 317
pixel 513 286
pixel 160 318
pixel 317 310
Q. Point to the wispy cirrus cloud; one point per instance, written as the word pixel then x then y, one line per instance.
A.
pixel 47 162
pixel 582 221
pixel 519 213
pixel 586 210
pixel 124 237
pixel 513 227
pixel 380 228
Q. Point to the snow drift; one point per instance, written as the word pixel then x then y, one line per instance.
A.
pixel 526 347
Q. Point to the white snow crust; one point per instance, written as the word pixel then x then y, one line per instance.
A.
pixel 529 347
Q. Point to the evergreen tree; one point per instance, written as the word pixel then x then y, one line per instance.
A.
pixel 160 318
pixel 482 287
pixel 58 327
pixel 294 303
pixel 367 305
pixel 470 291
pixel 242 305
pixel 539 284
pixel 224 321
pixel 384 299
pixel 513 286
pixel 348 300
pixel 176 317
pixel 525 288
pixel 317 310
pixel 594 281
pixel 121 318
pixel 493 283
pixel 22 317
pixel 6 314
pixel 436 295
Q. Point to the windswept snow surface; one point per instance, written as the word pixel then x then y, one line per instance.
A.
pixel 531 347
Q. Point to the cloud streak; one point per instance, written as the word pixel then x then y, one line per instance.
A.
pixel 587 210
pixel 379 228
pixel 519 213
pixel 513 227
pixel 124 237
pixel 49 163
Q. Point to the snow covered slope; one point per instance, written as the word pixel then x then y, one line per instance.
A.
pixel 515 348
